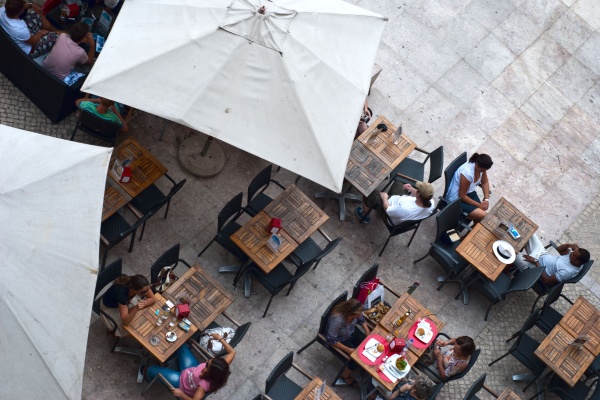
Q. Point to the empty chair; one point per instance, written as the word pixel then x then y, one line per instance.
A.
pixel 152 199
pixel 257 200
pixel 523 350
pixel 411 171
pixel 578 392
pixel 169 258
pixel 320 337
pixel 312 251
pixel 278 385
pixel 448 175
pixel 475 388
pixel 278 279
pixel 226 226
pixel 114 230
pixel 496 291
pixel 96 127
pixel 403 227
pixel 443 251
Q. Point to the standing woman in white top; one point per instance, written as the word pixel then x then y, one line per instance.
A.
pixel 465 181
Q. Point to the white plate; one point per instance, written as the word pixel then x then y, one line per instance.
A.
pixel 171 338
pixel 390 366
pixel 428 332
pixel 372 353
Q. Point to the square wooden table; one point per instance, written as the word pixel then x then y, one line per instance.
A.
pixel 144 327
pixel 569 362
pixel 476 247
pixel 508 394
pixel 208 299
pixel 310 391
pixel 370 163
pixel 145 170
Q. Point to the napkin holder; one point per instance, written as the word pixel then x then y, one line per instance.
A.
pixel 275 226
pixel 397 345
pixel 182 311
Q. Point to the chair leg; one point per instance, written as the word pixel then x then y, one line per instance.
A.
pixel 268 305
pixel 167 209
pixel 104 258
pixel 514 336
pixel 413 235
pixel 497 359
pixel 73 134
pixel 148 385
pixel 535 303
pixel 207 246
pixel 316 265
pixel 143 228
pixel 421 259
pixel 385 245
pixel 487 312
pixel 306 346
pixel 132 241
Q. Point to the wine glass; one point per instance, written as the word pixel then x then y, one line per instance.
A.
pixel 84 7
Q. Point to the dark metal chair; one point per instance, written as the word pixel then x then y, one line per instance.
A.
pixel 96 127
pixel 444 252
pixel 152 199
pixel 476 388
pixel 548 317
pixel 226 226
pixel 240 332
pixel 403 227
pixel 276 280
pixel 278 385
pixel 320 337
pixel 257 200
pixel 496 291
pixel 578 392
pixel 523 350
pixel 411 171
pixel 114 230
pixel 309 250
pixel 167 259
pixel 448 175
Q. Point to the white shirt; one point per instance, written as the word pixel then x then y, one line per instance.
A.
pixel 405 208
pixel 560 266
pixel 16 29
pixel 468 171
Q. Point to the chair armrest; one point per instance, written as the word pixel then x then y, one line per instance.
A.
pixel 421 150
pixel 551 243
pixel 165 381
pixel 490 391
pixel 303 372
pixel 171 179
pixel 405 177
pixel 199 349
pixel 185 262
pixel 230 319
pixel 278 184
pixel 444 252
pixel 389 289
pixel 324 235
pixel 135 211
pixel 427 370
pixel 566 298
pixel 346 356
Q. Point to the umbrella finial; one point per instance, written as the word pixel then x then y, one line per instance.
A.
pixel 262 10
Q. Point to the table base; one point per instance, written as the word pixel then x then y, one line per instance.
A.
pixel 341 197
pixel 529 378
pixel 132 351
pixel 234 269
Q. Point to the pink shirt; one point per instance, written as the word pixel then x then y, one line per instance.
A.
pixel 63 57
pixel 189 380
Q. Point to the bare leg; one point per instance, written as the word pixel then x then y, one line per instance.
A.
pixel 477 215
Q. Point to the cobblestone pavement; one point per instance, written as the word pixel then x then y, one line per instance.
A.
pixel 517 79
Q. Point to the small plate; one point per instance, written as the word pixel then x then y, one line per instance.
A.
pixel 154 340
pixel 171 336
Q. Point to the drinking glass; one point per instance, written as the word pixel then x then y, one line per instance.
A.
pixel 84 7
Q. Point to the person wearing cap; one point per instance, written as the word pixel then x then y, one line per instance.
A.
pixel 466 179
pixel 556 268
pixel 415 205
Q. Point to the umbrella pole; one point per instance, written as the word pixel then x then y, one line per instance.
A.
pixel 201 155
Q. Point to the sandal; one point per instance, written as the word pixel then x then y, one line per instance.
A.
pixel 350 381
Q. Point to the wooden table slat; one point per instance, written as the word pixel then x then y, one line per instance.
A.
pixel 508 394
pixel 383 147
pixel 309 392
pixel 584 319
pixel 503 210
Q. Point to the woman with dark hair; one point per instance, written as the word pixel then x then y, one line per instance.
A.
pixel 196 380
pixel 342 334
pixel 457 358
pixel 465 181
pixel 124 299
pixel 417 389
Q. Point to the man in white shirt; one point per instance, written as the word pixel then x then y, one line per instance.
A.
pixel 556 268
pixel 418 204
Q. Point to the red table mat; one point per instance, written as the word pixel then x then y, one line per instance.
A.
pixel 416 341
pixel 381 340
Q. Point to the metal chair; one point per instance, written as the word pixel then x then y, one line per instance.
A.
pixel 309 250
pixel 405 226
pixel 114 230
pixel 152 199
pixel 578 392
pixel 523 350
pixel 368 276
pixel 444 252
pixel 240 332
pixel 257 200
pixel 320 337
pixel 548 317
pixel 96 127
pixel 168 258
pixel 278 385
pixel 226 226
pixel 476 388
pixel 448 175
pixel 411 171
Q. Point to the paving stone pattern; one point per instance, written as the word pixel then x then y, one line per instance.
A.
pixel 516 79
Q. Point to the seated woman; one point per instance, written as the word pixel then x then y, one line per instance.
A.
pixel 456 359
pixel 417 389
pixel 103 108
pixel 465 181
pixel 196 380
pixel 124 299
pixel 342 334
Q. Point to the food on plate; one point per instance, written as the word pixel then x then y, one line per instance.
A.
pixel 420 331
pixel 380 348
pixel 401 363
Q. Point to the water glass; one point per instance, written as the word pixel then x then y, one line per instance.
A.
pixel 84 7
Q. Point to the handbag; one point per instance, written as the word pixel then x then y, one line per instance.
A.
pixel 166 277
pixel 211 344
pixel 375 297
pixel 365 289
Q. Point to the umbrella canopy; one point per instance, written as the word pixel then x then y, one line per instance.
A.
pixel 287 85
pixel 51 195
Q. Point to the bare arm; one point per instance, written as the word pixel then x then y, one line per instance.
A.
pixel 563 249
pixel 384 200
pixel 127 314
pixel 366 328
pixel 342 347
pixel 548 279
pixel 89 39
pixel 485 186
pixel 462 192
pixel 230 350
pixel 114 109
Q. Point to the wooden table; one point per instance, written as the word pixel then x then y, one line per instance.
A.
pixel 476 247
pixel 144 327
pixel 208 299
pixel 310 391
pixel 145 170
pixel 508 394
pixel 568 362
pixel 300 218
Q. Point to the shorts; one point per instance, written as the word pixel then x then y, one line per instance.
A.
pixel 34 24
pixel 469 208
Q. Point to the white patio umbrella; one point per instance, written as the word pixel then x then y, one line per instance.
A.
pixel 287 85
pixel 51 195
